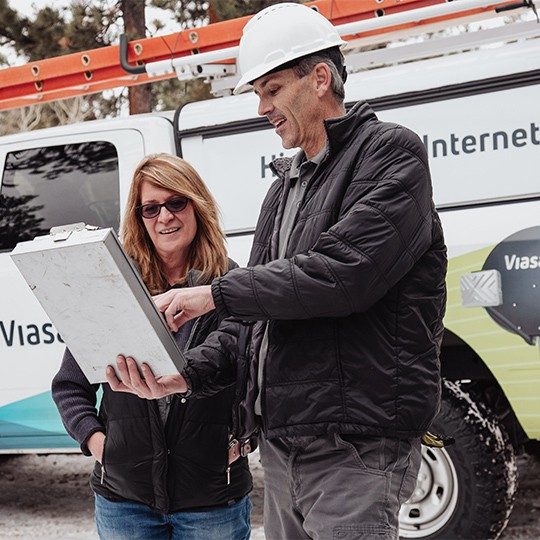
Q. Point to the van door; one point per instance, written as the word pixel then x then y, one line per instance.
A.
pixel 48 182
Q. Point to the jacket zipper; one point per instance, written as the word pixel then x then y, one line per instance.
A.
pixel 171 404
pixel 188 343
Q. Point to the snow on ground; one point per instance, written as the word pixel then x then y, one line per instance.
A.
pixel 49 497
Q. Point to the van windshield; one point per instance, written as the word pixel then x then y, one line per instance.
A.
pixel 57 185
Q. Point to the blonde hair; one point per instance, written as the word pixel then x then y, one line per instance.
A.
pixel 207 252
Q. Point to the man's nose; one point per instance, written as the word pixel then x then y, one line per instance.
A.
pixel 265 107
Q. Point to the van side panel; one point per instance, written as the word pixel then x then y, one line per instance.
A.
pixel 484 151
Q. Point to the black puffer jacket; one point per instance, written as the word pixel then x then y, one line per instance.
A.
pixel 180 466
pixel 355 311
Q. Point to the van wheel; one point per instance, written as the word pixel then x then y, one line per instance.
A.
pixel 467 489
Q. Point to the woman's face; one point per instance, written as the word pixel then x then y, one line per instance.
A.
pixel 171 234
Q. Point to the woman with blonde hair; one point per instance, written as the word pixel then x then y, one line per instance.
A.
pixel 162 465
pixel 157 174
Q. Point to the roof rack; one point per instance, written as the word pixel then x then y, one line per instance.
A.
pixel 210 52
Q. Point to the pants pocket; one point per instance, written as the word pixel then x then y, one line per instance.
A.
pixel 369 452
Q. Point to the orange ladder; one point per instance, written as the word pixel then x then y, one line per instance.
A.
pixel 126 64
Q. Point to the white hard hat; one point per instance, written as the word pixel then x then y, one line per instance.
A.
pixel 278 34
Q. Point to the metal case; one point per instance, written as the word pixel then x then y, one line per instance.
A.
pixel 96 299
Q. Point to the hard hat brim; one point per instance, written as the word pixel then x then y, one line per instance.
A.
pixel 247 79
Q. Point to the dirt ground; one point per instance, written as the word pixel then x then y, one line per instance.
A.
pixel 49 497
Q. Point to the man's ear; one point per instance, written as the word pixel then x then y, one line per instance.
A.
pixel 323 78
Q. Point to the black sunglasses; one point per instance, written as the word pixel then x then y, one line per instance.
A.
pixel 174 205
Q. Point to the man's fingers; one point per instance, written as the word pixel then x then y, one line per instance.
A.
pixel 153 385
pixel 177 316
pixel 137 381
pixel 163 300
pixel 181 319
pixel 133 371
pixel 180 306
pixel 174 305
pixel 112 379
pixel 132 382
pixel 170 313
pixel 114 382
pixel 122 370
pixel 191 302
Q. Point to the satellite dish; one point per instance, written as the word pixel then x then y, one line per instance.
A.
pixel 517 259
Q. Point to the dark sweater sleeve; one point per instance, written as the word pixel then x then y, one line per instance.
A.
pixel 75 399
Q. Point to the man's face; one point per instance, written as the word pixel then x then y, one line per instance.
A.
pixel 291 105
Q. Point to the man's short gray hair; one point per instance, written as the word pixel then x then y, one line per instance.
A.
pixel 306 65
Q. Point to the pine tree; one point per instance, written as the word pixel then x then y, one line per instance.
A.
pixel 140 97
pixel 52 32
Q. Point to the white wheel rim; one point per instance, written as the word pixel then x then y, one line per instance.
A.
pixel 434 498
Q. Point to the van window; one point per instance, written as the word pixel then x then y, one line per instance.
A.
pixel 58 185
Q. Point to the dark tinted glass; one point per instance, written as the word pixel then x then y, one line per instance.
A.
pixel 57 185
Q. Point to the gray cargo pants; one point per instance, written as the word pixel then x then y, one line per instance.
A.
pixel 336 486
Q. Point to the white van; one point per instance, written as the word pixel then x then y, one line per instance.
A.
pixel 478 114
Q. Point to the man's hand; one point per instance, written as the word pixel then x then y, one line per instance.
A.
pixel 182 305
pixel 95 444
pixel 145 386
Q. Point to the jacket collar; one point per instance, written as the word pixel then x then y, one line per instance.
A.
pixel 338 130
pixel 341 130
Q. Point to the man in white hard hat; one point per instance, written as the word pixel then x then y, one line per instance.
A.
pixel 345 289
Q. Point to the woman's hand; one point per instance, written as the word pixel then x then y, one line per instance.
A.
pixel 145 386
pixel 96 443
pixel 182 305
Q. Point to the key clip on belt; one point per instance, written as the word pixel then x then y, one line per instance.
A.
pixel 237 449
pixel 433 440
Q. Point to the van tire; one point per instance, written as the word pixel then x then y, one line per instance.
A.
pixel 481 463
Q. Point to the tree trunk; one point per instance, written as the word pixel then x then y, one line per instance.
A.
pixel 140 97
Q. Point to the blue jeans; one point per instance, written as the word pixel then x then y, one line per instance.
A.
pixel 130 520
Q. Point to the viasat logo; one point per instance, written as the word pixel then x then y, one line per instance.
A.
pixel 28 334
pixel 521 262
